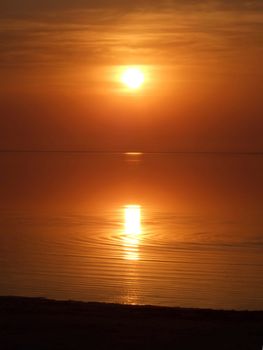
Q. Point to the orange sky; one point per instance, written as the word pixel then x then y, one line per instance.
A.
pixel 59 88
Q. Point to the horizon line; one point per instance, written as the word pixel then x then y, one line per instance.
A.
pixel 134 152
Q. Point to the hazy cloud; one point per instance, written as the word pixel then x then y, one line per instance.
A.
pixel 105 32
pixel 46 43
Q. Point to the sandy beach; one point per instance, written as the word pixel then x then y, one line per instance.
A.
pixel 38 323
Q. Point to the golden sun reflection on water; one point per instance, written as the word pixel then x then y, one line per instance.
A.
pixel 132 232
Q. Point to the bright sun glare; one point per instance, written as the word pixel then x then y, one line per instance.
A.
pixel 133 78
pixel 131 238
pixel 133 219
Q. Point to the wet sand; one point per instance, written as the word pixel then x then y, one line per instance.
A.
pixel 38 323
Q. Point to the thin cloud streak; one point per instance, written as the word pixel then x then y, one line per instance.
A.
pixel 15 8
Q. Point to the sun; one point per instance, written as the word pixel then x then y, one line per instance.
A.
pixel 132 78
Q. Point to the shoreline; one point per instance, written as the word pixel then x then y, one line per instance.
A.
pixel 76 302
pixel 42 323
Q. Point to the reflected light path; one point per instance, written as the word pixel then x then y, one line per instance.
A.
pixel 133 156
pixel 132 231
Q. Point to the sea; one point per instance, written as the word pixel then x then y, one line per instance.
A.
pixel 168 229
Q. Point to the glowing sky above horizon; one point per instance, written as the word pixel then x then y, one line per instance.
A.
pixel 60 63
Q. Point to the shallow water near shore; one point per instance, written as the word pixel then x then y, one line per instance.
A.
pixel 162 229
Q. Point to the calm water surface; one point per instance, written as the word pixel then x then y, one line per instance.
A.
pixel 177 230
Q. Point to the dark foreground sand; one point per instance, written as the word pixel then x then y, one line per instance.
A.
pixel 27 323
